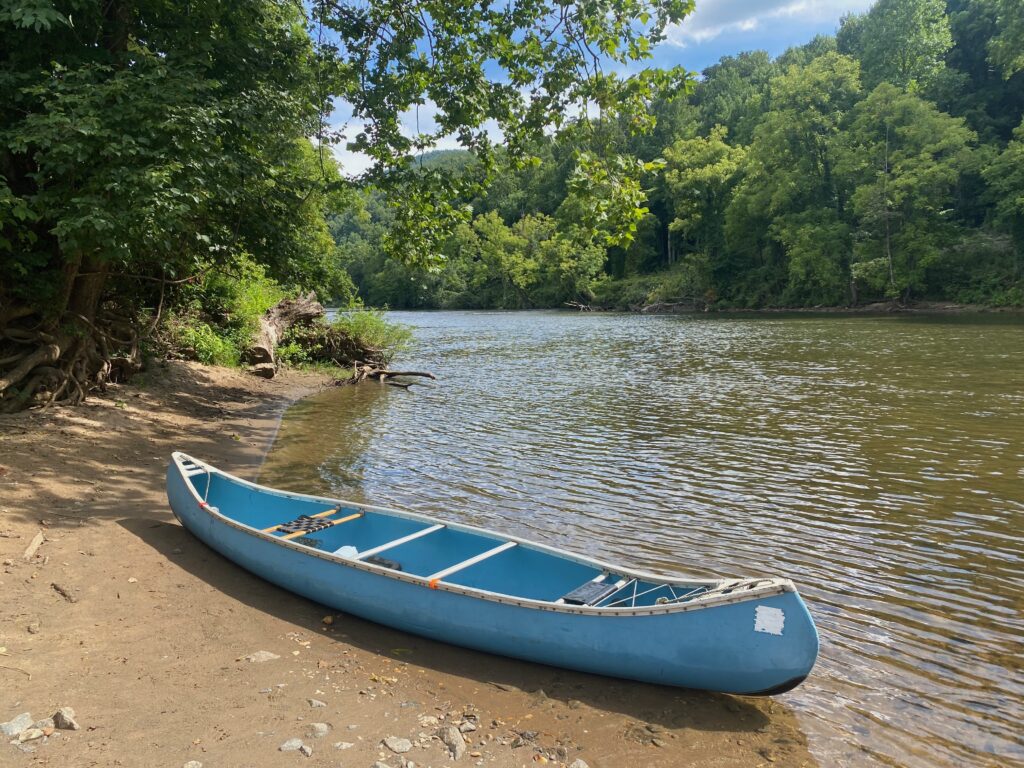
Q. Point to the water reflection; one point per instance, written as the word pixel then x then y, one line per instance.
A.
pixel 876 461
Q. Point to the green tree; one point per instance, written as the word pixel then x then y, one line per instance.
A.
pixel 905 158
pixel 904 42
pixel 1005 176
pixel 1007 46
pixel 791 195
pixel 701 174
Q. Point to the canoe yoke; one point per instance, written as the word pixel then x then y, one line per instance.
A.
pixel 304 524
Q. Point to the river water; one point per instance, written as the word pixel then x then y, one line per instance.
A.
pixel 877 461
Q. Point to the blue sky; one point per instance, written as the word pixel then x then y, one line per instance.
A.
pixel 717 28
pixel 725 27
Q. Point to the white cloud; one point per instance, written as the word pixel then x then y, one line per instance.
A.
pixel 717 17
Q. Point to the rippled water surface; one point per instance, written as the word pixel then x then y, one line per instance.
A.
pixel 879 462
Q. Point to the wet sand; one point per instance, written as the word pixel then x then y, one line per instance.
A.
pixel 148 642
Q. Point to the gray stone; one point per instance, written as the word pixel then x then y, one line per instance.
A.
pixel 397 745
pixel 30 734
pixel 578 764
pixel 318 730
pixel 64 718
pixel 44 724
pixel 306 750
pixel 17 725
pixel 343 745
pixel 316 703
pixel 452 738
pixel 291 745
pixel 261 656
pixel 192 764
pixel 379 764
pixel 467 727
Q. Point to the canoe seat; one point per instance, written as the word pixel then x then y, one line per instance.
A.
pixel 304 524
pixel 589 594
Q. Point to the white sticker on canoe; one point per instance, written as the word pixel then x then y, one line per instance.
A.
pixel 769 620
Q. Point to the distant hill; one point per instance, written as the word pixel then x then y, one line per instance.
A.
pixel 446 158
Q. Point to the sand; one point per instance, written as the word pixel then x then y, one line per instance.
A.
pixel 125 617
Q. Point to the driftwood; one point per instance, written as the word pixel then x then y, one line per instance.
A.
pixel 362 372
pixel 275 322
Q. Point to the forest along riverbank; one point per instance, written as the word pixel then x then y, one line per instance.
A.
pixel 168 653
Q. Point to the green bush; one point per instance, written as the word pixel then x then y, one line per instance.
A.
pixel 370 328
pixel 191 337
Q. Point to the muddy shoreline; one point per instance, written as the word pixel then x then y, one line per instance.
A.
pixel 148 634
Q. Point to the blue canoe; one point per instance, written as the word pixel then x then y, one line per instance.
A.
pixel 484 590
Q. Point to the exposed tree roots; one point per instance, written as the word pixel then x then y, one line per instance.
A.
pixel 364 372
pixel 41 365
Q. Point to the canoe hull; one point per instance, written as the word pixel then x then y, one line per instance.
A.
pixel 717 648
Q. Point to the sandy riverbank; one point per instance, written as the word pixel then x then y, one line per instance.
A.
pixel 151 651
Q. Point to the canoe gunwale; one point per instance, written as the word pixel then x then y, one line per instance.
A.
pixel 768 588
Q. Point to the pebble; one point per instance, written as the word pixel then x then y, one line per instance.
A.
pixel 452 738
pixel 261 656
pixel 318 730
pixel 578 764
pixel 397 745
pixel 31 734
pixel 379 764
pixel 343 745
pixel 291 745
pixel 467 727
pixel 13 727
pixel 192 764
pixel 306 750
pixel 316 703
pixel 64 718
pixel 428 720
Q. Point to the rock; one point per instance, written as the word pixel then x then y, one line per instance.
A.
pixel 316 703
pixel 658 742
pixel 397 745
pixel 192 764
pixel 452 738
pixel 318 730
pixel 467 727
pixel 33 627
pixel 64 718
pixel 576 704
pixel 379 764
pixel 305 750
pixel 428 720
pixel 578 764
pixel 343 745
pixel 44 724
pixel 14 727
pixel 30 734
pixel 291 745
pixel 260 656
pixel 132 580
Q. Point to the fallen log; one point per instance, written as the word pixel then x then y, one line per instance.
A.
pixel 274 323
pixel 363 372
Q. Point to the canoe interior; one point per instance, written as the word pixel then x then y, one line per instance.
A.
pixel 519 571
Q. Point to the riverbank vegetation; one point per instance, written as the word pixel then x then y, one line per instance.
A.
pixel 166 169
pixel 883 163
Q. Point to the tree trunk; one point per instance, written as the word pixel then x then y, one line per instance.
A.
pixel 286 314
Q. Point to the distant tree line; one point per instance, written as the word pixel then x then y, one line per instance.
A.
pixel 885 162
